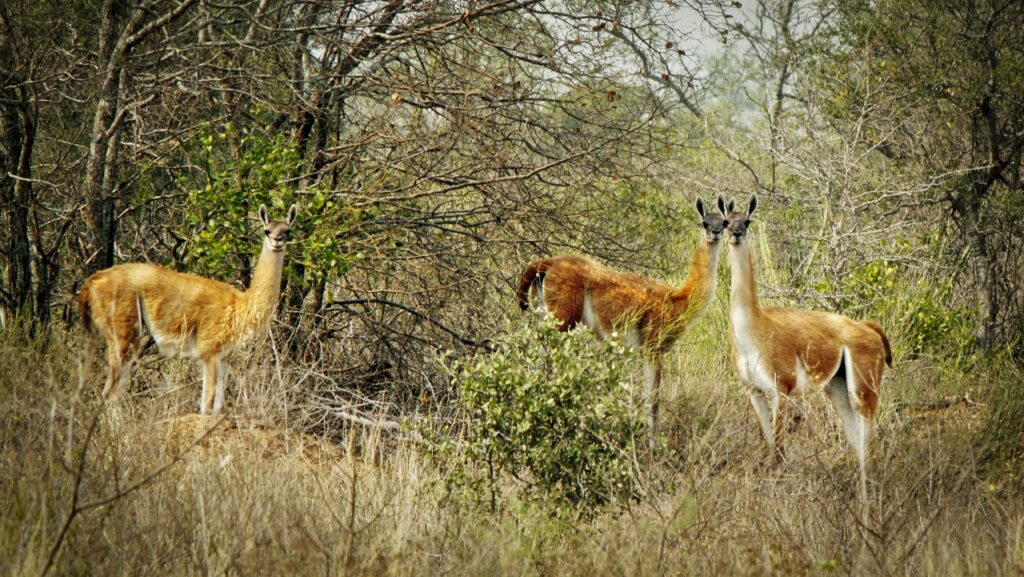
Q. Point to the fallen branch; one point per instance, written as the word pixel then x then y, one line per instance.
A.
pixel 932 404
pixel 377 424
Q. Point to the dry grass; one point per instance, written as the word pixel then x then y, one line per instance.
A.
pixel 218 436
pixel 151 488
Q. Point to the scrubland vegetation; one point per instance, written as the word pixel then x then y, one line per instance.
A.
pixel 277 485
pixel 404 417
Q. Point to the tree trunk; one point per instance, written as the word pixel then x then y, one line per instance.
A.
pixel 118 35
pixel 17 131
pixel 100 208
pixel 986 305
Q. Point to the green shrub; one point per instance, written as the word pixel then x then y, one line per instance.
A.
pixel 930 323
pixel 222 204
pixel 555 412
pixel 1002 438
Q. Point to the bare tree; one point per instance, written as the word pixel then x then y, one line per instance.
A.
pixel 122 29
pixel 432 138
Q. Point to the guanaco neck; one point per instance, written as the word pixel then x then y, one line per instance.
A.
pixel 265 288
pixel 743 305
pixel 699 287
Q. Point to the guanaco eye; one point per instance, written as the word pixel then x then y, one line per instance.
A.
pixel 266 232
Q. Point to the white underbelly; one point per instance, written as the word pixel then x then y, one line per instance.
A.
pixel 804 382
pixel 179 346
pixel 810 381
pixel 589 314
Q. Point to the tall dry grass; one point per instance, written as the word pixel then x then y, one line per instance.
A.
pixel 277 487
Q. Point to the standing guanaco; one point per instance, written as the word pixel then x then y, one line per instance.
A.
pixel 649 314
pixel 781 352
pixel 186 315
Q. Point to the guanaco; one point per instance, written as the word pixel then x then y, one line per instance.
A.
pixel 648 314
pixel 780 352
pixel 185 315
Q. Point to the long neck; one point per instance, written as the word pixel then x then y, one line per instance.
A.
pixel 265 288
pixel 699 287
pixel 743 289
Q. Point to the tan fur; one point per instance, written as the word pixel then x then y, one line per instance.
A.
pixel 644 312
pixel 788 344
pixel 185 314
pixel 816 340
pixel 623 302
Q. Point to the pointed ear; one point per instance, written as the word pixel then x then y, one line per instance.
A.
pixel 721 205
pixel 292 211
pixel 732 205
pixel 753 205
pixel 263 215
pixel 700 207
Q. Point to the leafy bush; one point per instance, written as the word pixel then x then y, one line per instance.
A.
pixel 222 204
pixel 556 412
pixel 932 324
pixel 916 308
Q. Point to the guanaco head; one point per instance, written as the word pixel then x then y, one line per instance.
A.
pixel 737 222
pixel 713 223
pixel 275 232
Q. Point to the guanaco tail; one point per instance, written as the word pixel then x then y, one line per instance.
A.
pixel 780 352
pixel 648 314
pixel 185 315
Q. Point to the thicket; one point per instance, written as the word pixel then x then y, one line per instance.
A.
pixel 434 148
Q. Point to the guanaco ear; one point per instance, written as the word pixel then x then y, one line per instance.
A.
pixel 732 205
pixel 263 215
pixel 290 219
pixel 721 205
pixel 700 207
pixel 753 205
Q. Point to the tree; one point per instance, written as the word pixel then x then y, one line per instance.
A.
pixel 122 28
pixel 433 147
pixel 17 135
pixel 436 135
pixel 825 184
pixel 945 79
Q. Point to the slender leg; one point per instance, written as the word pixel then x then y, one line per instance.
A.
pixel 862 455
pixel 209 385
pixel 855 426
pixel 120 359
pixel 222 377
pixel 780 417
pixel 114 372
pixel 652 381
pixel 766 405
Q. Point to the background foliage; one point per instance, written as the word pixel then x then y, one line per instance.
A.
pixel 434 148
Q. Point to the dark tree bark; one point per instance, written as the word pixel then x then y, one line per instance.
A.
pixel 17 131
pixel 1000 148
